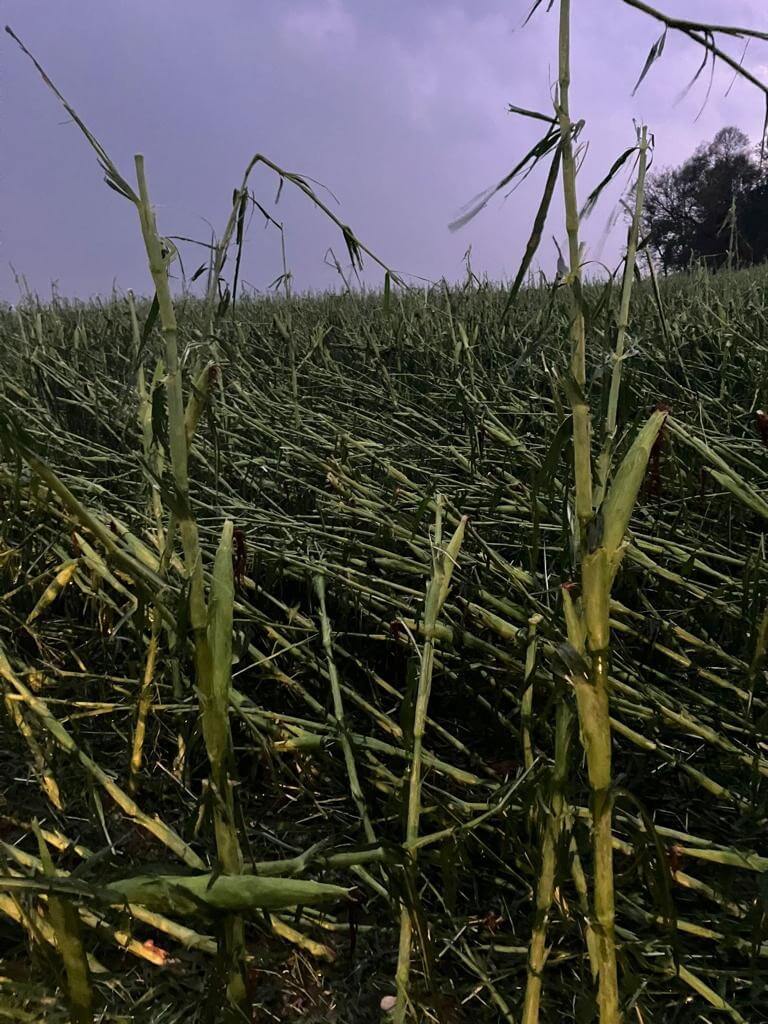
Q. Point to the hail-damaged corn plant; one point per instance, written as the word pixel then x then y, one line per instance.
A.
pixel 603 500
pixel 209 610
pixel 353 718
pixel 444 560
pixel 347 495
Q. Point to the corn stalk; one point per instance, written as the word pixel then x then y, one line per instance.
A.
pixel 444 561
pixel 552 833
pixel 609 440
pixel 211 627
pixel 214 706
pixel 66 926
pixel 600 546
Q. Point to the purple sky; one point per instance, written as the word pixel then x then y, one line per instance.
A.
pixel 398 107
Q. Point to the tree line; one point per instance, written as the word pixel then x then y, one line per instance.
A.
pixel 712 208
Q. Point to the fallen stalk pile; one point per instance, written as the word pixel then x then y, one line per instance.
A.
pixel 331 467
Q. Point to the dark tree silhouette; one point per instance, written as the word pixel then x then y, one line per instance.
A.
pixel 714 207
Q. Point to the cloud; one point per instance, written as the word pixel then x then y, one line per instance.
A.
pixel 317 24
pixel 400 108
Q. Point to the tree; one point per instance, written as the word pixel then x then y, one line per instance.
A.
pixel 713 207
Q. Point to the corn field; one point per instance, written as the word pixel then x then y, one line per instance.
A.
pixel 386 655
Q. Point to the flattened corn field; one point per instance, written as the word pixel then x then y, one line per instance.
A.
pixel 336 431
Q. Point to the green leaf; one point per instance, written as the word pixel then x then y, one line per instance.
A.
pixel 149 323
pixel 189 894
pixel 595 194
pixel 618 505
pixel 159 418
pixel 524 112
pixel 536 5
pixel 544 146
pixel 408 706
pixel 420 512
pixel 536 231
pixel 740 489
pixel 653 55
pixel 239 237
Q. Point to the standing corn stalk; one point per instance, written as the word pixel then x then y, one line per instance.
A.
pixel 158 256
pixel 143 706
pixel 554 825
pixel 609 440
pixel 444 561
pixel 600 547
pixel 338 711
pixel 592 693
pixel 214 703
pixel 588 616
pixel 602 516
pixel 211 627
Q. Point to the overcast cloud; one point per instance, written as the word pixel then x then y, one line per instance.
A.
pixel 398 107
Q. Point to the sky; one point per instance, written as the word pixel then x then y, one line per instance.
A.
pixel 400 109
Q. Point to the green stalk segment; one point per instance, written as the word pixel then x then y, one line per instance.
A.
pixel 444 561
pixel 66 927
